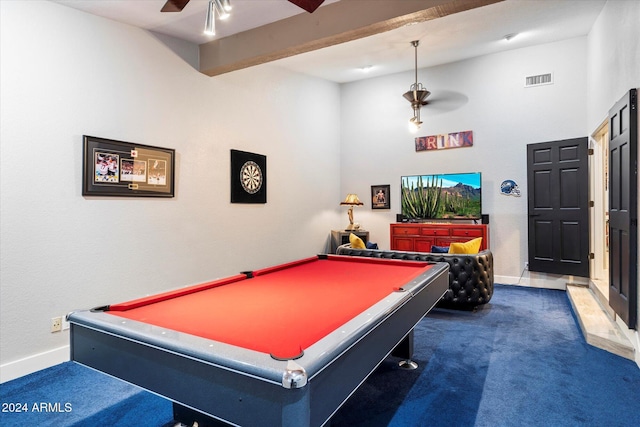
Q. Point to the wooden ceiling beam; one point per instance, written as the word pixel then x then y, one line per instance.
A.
pixel 332 24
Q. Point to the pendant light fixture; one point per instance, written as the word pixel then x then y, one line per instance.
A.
pixel 416 95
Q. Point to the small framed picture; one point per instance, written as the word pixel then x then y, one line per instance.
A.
pixel 117 168
pixel 380 197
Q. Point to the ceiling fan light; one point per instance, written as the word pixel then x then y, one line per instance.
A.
pixel 210 21
pixel 414 124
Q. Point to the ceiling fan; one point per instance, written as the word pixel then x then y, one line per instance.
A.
pixel 417 95
pixel 177 5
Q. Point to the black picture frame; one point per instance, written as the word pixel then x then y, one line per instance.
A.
pixel 380 197
pixel 124 169
pixel 248 177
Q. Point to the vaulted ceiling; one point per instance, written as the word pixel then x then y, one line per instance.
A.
pixel 348 40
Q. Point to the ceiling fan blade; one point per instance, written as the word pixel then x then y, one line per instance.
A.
pixel 174 6
pixel 308 5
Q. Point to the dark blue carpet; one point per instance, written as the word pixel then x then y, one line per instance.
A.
pixel 517 361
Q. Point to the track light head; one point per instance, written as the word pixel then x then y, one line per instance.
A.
pixel 223 13
pixel 222 7
pixel 210 21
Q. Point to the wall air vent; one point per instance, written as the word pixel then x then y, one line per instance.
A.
pixel 539 80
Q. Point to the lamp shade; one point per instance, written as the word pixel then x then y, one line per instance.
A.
pixel 352 200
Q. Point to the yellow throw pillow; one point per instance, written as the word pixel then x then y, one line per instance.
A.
pixel 356 242
pixel 470 247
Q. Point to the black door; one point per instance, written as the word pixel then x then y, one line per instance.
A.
pixel 623 212
pixel 558 191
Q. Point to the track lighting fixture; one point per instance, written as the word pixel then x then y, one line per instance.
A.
pixel 222 7
pixel 223 13
pixel 226 5
pixel 416 94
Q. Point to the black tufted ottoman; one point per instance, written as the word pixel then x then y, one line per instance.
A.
pixel 470 276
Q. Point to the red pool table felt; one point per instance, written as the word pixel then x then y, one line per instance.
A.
pixel 281 310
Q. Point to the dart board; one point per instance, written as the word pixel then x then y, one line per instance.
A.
pixel 248 177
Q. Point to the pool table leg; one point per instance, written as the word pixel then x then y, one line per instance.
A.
pixel 191 418
pixel 404 350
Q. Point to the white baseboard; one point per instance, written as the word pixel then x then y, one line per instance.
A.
pixel 28 365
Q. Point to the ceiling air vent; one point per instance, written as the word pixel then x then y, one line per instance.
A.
pixel 539 80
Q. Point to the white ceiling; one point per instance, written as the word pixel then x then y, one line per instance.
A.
pixel 455 37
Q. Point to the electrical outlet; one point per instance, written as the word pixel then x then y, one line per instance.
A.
pixel 526 265
pixel 56 324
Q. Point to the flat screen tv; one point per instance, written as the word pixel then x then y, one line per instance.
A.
pixel 442 196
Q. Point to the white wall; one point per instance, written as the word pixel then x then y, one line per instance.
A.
pixel 65 73
pixel 614 68
pixel 613 58
pixel 485 95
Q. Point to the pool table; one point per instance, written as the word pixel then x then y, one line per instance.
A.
pixel 281 346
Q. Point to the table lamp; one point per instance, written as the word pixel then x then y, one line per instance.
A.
pixel 351 200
